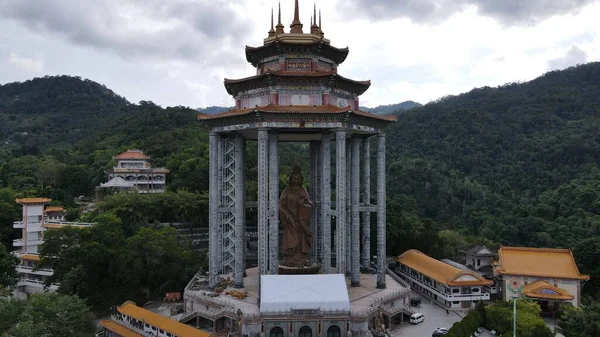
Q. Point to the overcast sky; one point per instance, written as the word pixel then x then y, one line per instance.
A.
pixel 177 52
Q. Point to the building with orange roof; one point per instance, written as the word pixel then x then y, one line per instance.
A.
pixel 36 219
pixel 547 275
pixel 134 173
pixel 129 320
pixel 451 287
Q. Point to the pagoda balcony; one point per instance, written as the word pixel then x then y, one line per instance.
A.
pixel 18 224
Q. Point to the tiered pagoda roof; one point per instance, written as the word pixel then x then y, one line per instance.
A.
pixel 330 78
pixel 295 68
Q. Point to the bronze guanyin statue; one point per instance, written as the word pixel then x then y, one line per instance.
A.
pixel 294 213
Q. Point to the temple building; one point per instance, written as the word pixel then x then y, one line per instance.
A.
pixel 37 218
pixel 134 173
pixel 449 286
pixel 549 276
pixel 317 239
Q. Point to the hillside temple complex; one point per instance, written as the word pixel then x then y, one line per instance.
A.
pixel 312 244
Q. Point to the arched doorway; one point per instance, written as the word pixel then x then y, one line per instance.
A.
pixel 276 332
pixel 334 331
pixel 305 331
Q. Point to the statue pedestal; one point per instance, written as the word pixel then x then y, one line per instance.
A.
pixel 313 268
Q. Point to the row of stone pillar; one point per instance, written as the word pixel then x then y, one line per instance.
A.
pixel 349 255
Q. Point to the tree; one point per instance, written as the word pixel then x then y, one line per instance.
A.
pixel 580 322
pixel 8 273
pixel 499 317
pixel 51 315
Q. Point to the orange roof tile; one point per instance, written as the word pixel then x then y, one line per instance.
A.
pixel 54 209
pixel 119 329
pixel 540 262
pixel 132 154
pixel 29 201
pixel 30 257
pixel 181 330
pixel 543 289
pixel 440 271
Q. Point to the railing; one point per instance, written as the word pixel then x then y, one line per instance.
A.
pixel 30 270
pixel 18 224
pixel 451 297
pixel 69 223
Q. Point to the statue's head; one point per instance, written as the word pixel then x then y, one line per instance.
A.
pixel 296 177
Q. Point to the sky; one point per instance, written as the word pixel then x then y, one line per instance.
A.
pixel 177 52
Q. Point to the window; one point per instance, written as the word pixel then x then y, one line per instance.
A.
pixel 276 332
pixel 478 262
pixel 334 331
pixel 305 331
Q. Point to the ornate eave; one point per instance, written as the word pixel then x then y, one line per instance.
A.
pixel 330 79
pixel 294 43
pixel 308 117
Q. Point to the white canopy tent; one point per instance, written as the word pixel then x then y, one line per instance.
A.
pixel 304 292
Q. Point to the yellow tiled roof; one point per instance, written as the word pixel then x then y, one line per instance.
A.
pixel 33 201
pixel 54 209
pixel 30 257
pixel 540 262
pixel 439 271
pixel 119 329
pixel 542 289
pixel 161 322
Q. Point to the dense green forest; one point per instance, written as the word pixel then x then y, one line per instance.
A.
pixel 516 164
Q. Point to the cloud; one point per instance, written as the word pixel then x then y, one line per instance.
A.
pixel 28 64
pixel 573 57
pixel 136 29
pixel 507 12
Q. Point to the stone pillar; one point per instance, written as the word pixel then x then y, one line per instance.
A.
pixel 213 200
pixel 366 200
pixel 273 203
pixel 381 221
pixel 263 205
pixel 348 207
pixel 239 212
pixel 315 191
pixel 326 202
pixel 355 211
pixel 340 196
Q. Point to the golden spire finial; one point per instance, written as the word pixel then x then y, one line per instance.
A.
pixel 296 26
pixel 320 25
pixel 272 31
pixel 279 27
pixel 314 29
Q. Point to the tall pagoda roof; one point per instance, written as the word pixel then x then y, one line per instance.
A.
pixel 279 44
pixel 331 78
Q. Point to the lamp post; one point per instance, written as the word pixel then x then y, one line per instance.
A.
pixel 515 286
pixel 515 296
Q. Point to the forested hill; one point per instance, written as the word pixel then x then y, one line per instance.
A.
pixel 392 108
pixel 518 164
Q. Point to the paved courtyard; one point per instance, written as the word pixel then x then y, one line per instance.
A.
pixel 435 317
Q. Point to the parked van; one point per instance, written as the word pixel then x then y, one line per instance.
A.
pixel 417 318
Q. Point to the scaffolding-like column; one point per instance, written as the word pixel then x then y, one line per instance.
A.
pixel 366 201
pixel 227 216
pixel 355 204
pixel 326 202
pixel 239 211
pixel 381 249
pixel 340 197
pixel 315 191
pixel 213 201
pixel 348 207
pixel 263 205
pixel 273 203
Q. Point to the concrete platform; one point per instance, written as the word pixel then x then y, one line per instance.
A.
pixel 363 298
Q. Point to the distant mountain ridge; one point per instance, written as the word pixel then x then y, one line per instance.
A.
pixel 211 110
pixel 392 108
